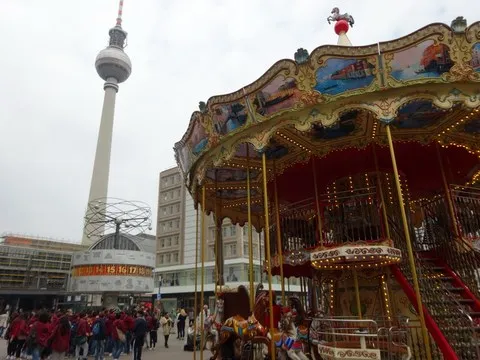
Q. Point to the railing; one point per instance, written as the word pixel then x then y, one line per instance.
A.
pixel 338 335
pixel 346 217
pixel 456 325
pixel 455 251
pixel 466 201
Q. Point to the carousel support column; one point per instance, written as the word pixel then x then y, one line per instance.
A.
pixel 219 259
pixel 279 234
pixel 448 194
pixel 250 234
pixel 195 308
pixel 357 294
pixel 267 251
pixel 202 283
pixel 317 203
pixel 408 241
pixel 382 197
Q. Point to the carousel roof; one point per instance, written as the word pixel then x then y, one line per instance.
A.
pixel 327 111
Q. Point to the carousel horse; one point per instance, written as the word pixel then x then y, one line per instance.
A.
pixel 289 339
pixel 336 16
pixel 213 323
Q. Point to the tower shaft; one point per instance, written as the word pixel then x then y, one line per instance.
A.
pixel 101 166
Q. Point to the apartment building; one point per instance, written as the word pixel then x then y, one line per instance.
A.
pixel 170 218
pixel 176 237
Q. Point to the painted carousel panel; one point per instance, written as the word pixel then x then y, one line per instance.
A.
pixel 345 126
pixel 194 145
pixel 418 114
pixel 229 117
pixel 234 194
pixel 223 175
pixel 340 75
pixel 475 62
pixel 282 93
pixel 427 59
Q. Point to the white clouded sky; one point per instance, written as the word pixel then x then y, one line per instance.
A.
pixel 183 52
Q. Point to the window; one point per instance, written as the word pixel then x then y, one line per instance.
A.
pixel 160 259
pixel 164 227
pixel 165 181
pixel 164 210
pixel 175 257
pixel 170 225
pixel 169 241
pixel 224 231
pixel 171 209
pixel 168 258
pixel 165 196
pixel 245 230
pixel 177 208
pixel 177 224
pixel 233 230
pixel 178 193
pixel 245 250
pixel 175 240
pixel 162 243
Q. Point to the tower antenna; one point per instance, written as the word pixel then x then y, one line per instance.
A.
pixel 119 15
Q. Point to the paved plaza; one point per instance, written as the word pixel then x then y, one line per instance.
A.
pixel 174 352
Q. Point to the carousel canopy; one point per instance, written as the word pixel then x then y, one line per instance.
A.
pixel 327 112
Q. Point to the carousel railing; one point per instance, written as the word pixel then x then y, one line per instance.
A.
pixel 466 201
pixel 436 234
pixel 445 309
pixel 346 217
pixel 345 335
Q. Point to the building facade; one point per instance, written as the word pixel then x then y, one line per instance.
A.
pixel 174 276
pixel 35 272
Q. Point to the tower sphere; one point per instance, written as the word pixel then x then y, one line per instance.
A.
pixel 113 62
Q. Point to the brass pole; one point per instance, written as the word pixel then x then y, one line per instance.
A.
pixel 196 281
pixel 382 198
pixel 408 241
pixel 267 251
pixel 279 235
pixel 448 194
pixel 202 283
pixel 317 203
pixel 250 234
pixel 357 294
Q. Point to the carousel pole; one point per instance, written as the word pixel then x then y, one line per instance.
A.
pixel 382 197
pixel 202 283
pixel 279 235
pixel 250 233
pixel 447 193
pixel 317 203
pixel 267 251
pixel 195 306
pixel 357 294
pixel 408 241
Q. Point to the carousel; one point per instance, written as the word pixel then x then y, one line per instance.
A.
pixel 359 164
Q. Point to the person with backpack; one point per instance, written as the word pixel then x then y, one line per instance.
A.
pixel 139 332
pixel 99 334
pixel 118 336
pixel 60 338
pixel 38 338
pixel 155 324
pixel 81 339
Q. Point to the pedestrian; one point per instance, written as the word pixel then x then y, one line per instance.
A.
pixel 60 339
pixel 139 332
pixel 38 338
pixel 154 331
pixel 18 333
pixel 182 317
pixel 81 339
pixel 167 324
pixel 3 323
pixel 99 334
pixel 118 336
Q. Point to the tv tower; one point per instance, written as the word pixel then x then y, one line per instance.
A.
pixel 114 66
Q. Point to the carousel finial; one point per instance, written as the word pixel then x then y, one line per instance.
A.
pixel 343 22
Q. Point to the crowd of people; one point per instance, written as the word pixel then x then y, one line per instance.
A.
pixel 56 335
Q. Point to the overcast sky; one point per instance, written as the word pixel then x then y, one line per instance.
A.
pixel 182 51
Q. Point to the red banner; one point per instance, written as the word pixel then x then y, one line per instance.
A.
pixel 112 270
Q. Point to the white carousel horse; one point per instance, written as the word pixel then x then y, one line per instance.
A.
pixel 213 323
pixel 288 341
pixel 336 16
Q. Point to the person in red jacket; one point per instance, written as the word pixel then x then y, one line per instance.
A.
pixel 60 338
pixel 129 323
pixel 118 336
pixel 81 338
pixel 39 335
pixel 18 333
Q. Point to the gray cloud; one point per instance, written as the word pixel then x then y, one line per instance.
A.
pixel 183 51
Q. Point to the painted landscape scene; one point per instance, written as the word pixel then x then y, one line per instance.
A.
pixel 476 57
pixel 198 138
pixel 417 114
pixel 425 60
pixel 227 118
pixel 280 94
pixel 340 75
